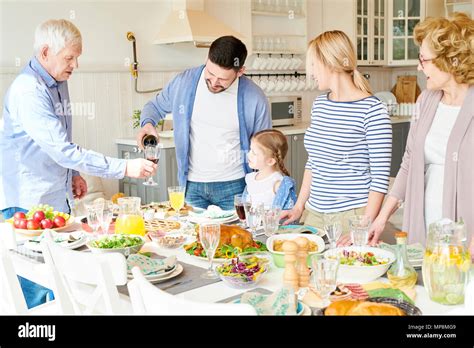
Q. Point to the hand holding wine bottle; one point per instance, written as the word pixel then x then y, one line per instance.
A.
pixel 147 136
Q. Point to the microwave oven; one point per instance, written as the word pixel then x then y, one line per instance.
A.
pixel 285 111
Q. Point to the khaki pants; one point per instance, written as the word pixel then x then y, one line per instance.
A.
pixel 315 219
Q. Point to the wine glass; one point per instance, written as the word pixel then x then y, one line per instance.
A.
pixel 271 220
pixel 107 215
pixel 333 228
pixel 176 194
pixel 94 217
pixel 254 217
pixel 359 226
pixel 152 153
pixel 209 236
pixel 239 205
pixel 325 276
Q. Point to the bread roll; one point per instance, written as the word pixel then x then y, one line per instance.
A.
pixel 362 308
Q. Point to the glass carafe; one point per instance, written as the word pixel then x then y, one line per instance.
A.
pixel 402 274
pixel 446 262
pixel 130 220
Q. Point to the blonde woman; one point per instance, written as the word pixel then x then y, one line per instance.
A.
pixel 349 141
pixel 436 176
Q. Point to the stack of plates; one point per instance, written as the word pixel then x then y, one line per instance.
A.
pixel 201 215
pixel 161 276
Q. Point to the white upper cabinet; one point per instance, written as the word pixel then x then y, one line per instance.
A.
pixel 382 30
pixel 370 32
pixel 403 15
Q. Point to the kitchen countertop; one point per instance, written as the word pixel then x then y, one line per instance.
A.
pixel 168 142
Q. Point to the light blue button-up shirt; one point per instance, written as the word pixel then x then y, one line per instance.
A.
pixel 37 156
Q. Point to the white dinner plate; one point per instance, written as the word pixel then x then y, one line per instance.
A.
pixel 162 277
pixel 35 246
pixel 197 219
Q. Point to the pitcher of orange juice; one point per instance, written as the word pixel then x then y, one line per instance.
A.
pixel 446 263
pixel 130 220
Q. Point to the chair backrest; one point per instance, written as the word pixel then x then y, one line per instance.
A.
pixel 148 299
pixel 83 282
pixel 12 300
pixel 7 235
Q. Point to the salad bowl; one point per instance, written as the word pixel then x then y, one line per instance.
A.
pixel 361 264
pixel 125 244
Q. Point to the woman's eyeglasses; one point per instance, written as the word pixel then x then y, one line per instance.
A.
pixel 423 60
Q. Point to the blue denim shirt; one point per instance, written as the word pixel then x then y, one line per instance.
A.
pixel 37 156
pixel 285 197
pixel 177 97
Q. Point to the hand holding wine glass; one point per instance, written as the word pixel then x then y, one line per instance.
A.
pixel 152 153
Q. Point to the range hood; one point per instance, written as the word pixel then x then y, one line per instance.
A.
pixel 188 22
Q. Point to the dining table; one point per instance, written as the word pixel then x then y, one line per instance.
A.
pixel 30 265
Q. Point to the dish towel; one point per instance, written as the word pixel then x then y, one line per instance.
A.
pixel 281 302
pixel 150 266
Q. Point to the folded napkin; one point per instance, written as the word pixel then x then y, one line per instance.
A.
pixel 296 229
pixel 281 302
pixel 60 238
pixel 415 251
pixel 212 212
pixel 150 266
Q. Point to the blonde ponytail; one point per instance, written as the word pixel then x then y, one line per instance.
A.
pixel 361 82
pixel 335 50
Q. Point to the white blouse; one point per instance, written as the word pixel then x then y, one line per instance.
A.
pixel 435 157
pixel 262 191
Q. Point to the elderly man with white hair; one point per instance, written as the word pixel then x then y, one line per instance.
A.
pixel 39 163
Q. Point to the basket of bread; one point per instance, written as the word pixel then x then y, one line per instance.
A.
pixel 384 306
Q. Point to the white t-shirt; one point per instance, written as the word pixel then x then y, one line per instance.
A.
pixel 262 191
pixel 435 157
pixel 215 153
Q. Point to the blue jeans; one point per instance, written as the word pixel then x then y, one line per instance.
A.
pixel 203 194
pixel 35 294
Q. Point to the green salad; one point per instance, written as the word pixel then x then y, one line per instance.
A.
pixel 117 241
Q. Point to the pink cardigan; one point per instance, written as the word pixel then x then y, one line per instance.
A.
pixel 458 189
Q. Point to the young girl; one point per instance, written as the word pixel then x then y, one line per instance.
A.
pixel 271 183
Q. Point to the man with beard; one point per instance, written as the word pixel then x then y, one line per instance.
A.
pixel 216 110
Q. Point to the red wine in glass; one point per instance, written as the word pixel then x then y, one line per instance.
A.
pixel 239 208
pixel 154 160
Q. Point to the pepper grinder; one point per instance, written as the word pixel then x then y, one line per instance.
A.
pixel 290 275
pixel 302 267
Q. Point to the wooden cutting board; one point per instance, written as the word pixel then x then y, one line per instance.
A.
pixel 406 89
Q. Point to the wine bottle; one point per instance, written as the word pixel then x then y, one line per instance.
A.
pixel 149 140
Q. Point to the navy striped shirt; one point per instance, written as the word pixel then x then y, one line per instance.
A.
pixel 349 147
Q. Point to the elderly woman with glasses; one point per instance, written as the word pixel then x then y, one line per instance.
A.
pixel 436 178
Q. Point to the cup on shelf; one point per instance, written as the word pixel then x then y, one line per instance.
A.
pixel 279 85
pixel 257 63
pixel 294 84
pixel 301 85
pixel 287 84
pixel 263 82
pixel 271 85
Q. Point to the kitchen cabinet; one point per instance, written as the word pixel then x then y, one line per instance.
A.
pixel 403 16
pixel 399 142
pixel 381 30
pixel 370 32
pixel 166 175
pixel 464 6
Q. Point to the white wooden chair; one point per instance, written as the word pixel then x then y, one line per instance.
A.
pixel 12 300
pixel 86 283
pixel 148 299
